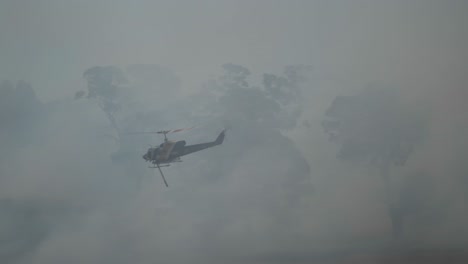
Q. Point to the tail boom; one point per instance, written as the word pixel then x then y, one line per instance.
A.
pixel 197 147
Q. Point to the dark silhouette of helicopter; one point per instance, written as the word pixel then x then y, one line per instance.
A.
pixel 171 151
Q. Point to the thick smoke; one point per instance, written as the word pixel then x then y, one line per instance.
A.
pixel 92 199
pixel 221 203
pixel 363 155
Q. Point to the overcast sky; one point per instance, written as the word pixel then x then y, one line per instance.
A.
pixel 51 43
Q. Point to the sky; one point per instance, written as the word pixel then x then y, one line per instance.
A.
pixel 87 208
pixel 49 41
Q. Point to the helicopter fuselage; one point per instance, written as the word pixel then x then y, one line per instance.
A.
pixel 171 151
pixel 165 153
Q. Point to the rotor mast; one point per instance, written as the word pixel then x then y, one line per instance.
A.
pixel 164 132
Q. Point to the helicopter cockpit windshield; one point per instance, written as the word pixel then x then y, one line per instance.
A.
pixel 151 154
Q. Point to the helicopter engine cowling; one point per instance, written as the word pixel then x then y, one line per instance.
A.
pixel 178 148
pixel 180 144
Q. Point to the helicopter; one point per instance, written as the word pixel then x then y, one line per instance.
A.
pixel 170 151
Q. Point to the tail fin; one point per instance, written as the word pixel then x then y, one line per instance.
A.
pixel 219 140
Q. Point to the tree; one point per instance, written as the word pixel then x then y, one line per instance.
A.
pixel 274 174
pixel 20 111
pixel 287 88
pixel 275 104
pixel 235 76
pixel 375 128
pixel 22 227
pixel 104 84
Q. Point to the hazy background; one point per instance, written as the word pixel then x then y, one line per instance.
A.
pixel 391 73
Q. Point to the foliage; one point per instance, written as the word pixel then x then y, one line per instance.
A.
pixel 275 104
pixel 373 126
pixel 20 110
pixel 103 83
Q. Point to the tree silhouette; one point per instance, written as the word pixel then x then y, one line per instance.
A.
pixel 20 111
pixel 235 76
pixel 375 128
pixel 275 104
pixel 104 84
pixel 21 227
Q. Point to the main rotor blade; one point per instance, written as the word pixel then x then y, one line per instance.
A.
pixel 181 129
pixel 174 130
pixel 158 132
pixel 137 133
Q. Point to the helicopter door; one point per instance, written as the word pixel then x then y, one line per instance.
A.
pixel 154 153
pixel 166 151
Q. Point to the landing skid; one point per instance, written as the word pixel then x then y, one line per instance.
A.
pixel 165 165
pixel 160 166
